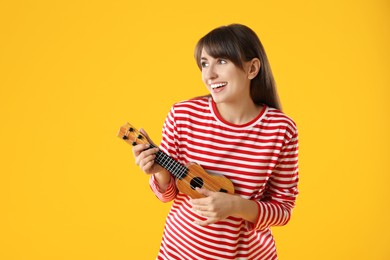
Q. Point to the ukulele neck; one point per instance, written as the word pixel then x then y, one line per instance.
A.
pixel 168 163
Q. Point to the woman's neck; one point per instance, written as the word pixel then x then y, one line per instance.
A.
pixel 238 113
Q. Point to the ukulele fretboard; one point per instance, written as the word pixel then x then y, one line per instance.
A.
pixel 168 163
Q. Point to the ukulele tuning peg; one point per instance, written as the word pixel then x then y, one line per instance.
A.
pixel 131 129
pixel 134 143
pixel 125 137
pixel 139 136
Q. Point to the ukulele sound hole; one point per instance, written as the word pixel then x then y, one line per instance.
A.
pixel 196 182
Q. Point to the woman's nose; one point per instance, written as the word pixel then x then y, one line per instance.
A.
pixel 211 73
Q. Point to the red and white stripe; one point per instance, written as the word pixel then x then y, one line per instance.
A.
pixel 260 158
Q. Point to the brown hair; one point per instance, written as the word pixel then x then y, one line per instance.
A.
pixel 238 43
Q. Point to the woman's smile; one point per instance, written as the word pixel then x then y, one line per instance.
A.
pixel 217 86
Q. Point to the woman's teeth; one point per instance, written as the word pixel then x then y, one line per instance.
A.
pixel 218 85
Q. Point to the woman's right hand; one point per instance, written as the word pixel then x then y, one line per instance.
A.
pixel 145 158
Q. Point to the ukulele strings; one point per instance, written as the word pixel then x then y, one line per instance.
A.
pixel 183 170
pixel 131 130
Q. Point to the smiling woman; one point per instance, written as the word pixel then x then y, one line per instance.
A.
pixel 241 46
pixel 229 86
pixel 237 132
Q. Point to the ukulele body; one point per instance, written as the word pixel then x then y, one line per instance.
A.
pixel 198 177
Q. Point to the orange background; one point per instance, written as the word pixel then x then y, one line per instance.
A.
pixel 72 72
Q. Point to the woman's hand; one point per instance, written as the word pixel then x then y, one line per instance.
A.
pixel 145 157
pixel 219 205
pixel 215 206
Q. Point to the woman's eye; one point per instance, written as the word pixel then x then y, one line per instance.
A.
pixel 203 64
pixel 222 61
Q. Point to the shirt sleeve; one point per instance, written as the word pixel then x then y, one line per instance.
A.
pixel 169 146
pixel 275 207
pixel 170 192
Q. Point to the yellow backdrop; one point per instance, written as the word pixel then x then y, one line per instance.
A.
pixel 72 72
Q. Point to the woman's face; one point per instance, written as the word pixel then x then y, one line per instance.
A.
pixel 226 82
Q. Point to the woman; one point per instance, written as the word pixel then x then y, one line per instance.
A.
pixel 238 131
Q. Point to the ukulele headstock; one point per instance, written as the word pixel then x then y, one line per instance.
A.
pixel 131 135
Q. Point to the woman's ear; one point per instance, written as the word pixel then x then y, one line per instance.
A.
pixel 254 68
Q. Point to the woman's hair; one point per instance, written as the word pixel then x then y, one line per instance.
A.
pixel 238 43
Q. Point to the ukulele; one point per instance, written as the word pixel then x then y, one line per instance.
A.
pixel 188 177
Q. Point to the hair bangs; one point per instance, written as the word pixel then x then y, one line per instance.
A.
pixel 220 43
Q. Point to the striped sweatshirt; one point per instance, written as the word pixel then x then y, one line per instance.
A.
pixel 259 157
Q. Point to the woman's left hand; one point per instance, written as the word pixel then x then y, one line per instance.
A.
pixel 215 206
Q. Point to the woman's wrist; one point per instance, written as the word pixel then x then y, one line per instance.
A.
pixel 162 179
pixel 245 209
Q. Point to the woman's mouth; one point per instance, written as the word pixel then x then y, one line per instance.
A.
pixel 217 87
